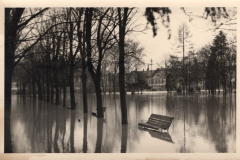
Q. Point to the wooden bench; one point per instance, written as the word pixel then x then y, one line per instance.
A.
pixel 156 122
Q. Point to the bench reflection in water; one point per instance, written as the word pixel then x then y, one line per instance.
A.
pixel 159 135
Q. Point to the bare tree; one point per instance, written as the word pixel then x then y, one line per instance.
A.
pixel 14 25
pixel 105 25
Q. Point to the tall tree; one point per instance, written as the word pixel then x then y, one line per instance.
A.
pixel 183 36
pixel 14 24
pixel 220 49
pixel 122 20
pixel 81 30
pixel 104 27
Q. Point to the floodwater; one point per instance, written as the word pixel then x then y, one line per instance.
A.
pixel 202 123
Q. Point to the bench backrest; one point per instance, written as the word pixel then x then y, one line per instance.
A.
pixel 160 120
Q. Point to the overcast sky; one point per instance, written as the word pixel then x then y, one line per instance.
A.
pixel 158 47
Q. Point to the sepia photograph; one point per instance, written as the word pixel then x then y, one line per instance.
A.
pixel 120 79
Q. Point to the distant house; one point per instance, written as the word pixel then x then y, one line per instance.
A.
pixel 156 79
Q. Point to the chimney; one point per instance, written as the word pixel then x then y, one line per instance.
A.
pixel 143 70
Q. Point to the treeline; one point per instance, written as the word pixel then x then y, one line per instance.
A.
pixel 76 40
pixel 214 66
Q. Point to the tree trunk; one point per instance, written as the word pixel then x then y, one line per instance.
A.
pixel 30 89
pixel 122 27
pixel 95 76
pixel 48 85
pixel 99 97
pixel 71 81
pixel 52 90
pixel 7 106
pixel 84 89
pixel 33 88
pixel 20 90
pixel 60 92
pixel 114 84
pixel 24 89
pixel 43 85
pixel 71 73
pixel 64 89
pixel 56 86
pixel 39 90
pixel 64 94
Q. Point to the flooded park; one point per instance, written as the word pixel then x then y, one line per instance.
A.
pixel 202 124
pixel 120 80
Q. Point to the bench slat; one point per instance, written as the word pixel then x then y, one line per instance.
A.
pixel 169 119
pixel 162 120
pixel 159 120
pixel 161 116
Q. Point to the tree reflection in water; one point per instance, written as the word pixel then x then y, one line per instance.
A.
pixel 73 115
pixel 98 148
pixel 124 138
pixel 202 123
pixel 85 132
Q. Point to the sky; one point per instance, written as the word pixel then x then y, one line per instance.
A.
pixel 159 47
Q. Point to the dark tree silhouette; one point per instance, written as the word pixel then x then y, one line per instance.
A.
pixel 13 27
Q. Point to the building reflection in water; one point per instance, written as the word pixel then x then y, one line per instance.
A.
pixel 202 123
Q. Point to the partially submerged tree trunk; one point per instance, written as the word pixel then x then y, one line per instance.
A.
pixel 33 88
pixel 71 73
pixel 52 89
pixel 56 88
pixel 48 77
pixel 84 90
pixel 95 76
pixel 64 94
pixel 12 29
pixel 56 67
pixel 39 89
pixel 82 48
pixel 122 28
pixel 99 97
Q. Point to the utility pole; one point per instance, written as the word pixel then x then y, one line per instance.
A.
pixel 151 72
pixel 151 64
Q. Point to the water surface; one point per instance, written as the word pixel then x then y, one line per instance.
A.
pixel 202 123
